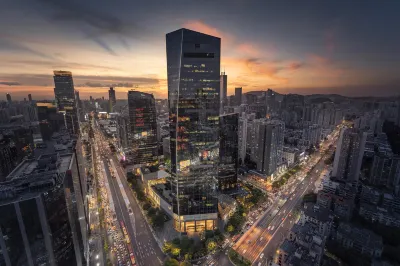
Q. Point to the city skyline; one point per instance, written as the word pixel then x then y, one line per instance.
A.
pixel 309 48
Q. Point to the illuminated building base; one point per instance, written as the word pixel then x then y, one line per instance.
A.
pixel 195 223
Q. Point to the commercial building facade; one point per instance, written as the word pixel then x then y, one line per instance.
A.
pixel 65 98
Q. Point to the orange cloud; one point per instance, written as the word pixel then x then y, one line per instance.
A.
pixel 248 49
pixel 320 60
pixel 200 26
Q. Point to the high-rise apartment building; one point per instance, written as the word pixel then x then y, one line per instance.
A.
pixel 65 99
pixel 8 96
pixel 385 170
pixel 193 68
pixel 268 151
pixel 111 99
pixel 143 127
pixel 238 96
pixel 228 152
pixel 349 154
pixel 40 223
pixel 224 91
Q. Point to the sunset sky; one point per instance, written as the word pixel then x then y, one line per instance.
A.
pixel 346 47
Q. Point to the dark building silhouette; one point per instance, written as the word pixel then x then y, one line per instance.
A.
pixel 238 96
pixel 8 96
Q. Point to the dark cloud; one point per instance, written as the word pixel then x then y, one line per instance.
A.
pixel 91 21
pixel 60 64
pixel 84 81
pixel 10 83
pixel 8 45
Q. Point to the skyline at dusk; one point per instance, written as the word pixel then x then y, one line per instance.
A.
pixel 288 46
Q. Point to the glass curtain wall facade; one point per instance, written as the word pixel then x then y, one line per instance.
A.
pixel 228 152
pixel 143 127
pixel 65 98
pixel 193 62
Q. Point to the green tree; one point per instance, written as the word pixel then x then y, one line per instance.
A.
pixel 158 220
pixel 185 263
pixel 152 212
pixel 146 206
pixel 171 262
pixel 211 244
pixel 230 228
pixel 167 247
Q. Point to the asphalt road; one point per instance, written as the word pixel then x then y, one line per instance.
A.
pixel 261 241
pixel 146 250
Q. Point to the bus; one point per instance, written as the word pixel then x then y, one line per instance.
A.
pixel 125 232
pixel 132 257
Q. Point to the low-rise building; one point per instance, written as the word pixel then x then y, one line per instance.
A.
pixel 226 206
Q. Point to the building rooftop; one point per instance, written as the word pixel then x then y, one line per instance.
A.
pixel 361 235
pixel 317 212
pixel 31 177
pixel 288 246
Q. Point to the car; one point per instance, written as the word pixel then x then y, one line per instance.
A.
pixel 244 251
pixel 268 227
pixel 262 255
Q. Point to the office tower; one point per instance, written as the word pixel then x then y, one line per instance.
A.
pixel 111 99
pixel 24 100
pixel 122 131
pixel 30 97
pixel 6 158
pixel 349 154
pixel 268 151
pixel 40 219
pixel 8 96
pixel 143 127
pixel 193 67
pixel 238 96
pixel 91 98
pixel 228 152
pixel 224 91
pixel 65 99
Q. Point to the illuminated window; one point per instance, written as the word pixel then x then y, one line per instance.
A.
pixel 210 224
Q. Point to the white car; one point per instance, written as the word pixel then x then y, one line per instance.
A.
pixel 262 255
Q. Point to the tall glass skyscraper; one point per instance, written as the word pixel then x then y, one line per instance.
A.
pixel 143 127
pixel 65 98
pixel 193 62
